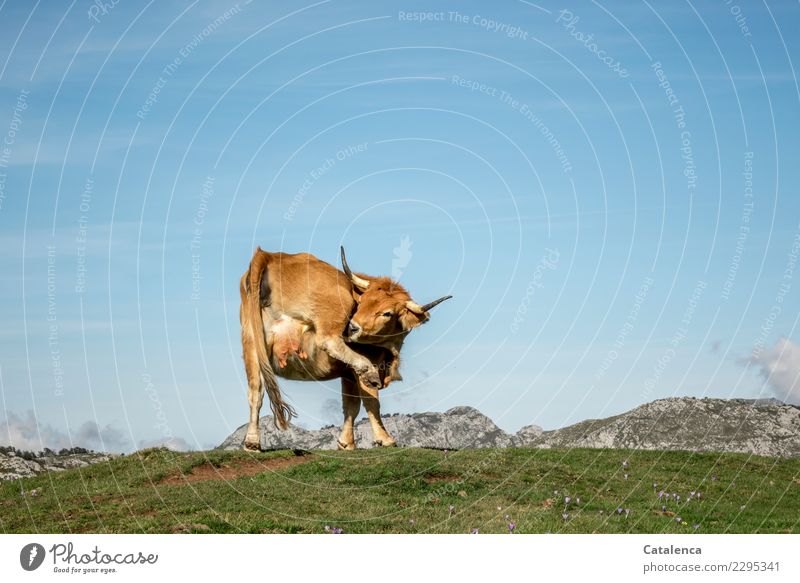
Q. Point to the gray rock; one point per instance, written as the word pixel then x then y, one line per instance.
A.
pixel 758 426
pixel 13 466
pixel 457 428
pixel 526 436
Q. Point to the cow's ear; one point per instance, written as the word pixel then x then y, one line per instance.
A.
pixel 410 319
pixel 356 293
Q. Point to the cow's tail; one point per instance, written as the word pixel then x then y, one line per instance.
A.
pixel 251 316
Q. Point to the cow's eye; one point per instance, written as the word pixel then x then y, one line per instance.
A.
pixel 387 314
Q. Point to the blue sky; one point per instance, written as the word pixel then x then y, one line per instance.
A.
pixel 609 190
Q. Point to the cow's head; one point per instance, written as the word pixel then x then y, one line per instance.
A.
pixel 385 312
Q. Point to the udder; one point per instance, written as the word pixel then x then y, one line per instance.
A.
pixel 286 339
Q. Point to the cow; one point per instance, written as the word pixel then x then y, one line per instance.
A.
pixel 304 319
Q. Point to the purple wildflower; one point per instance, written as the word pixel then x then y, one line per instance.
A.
pixel 663 508
pixel 661 495
pixel 624 464
pixel 327 528
pixel 678 519
pixel 625 476
pixel 473 531
pixel 713 477
pixel 627 512
pixel 578 500
pixel 337 530
pixel 567 499
pixel 565 515
pixel 619 510
pixel 511 526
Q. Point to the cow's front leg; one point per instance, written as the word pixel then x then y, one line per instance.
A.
pixel 255 392
pixel 372 404
pixel 351 405
pixel 366 371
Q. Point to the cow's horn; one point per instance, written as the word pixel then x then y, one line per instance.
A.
pixel 435 303
pixel 357 281
pixel 417 309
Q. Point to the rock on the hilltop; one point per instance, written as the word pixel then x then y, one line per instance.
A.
pixel 13 467
pixel 527 436
pixel 457 428
pixel 761 427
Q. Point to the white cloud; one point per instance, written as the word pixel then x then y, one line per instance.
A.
pixel 780 367
pixel 105 438
pixel 28 433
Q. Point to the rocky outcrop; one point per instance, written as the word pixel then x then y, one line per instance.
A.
pixel 457 428
pixel 762 427
pixel 15 464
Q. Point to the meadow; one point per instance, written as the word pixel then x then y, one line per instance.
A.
pixel 509 491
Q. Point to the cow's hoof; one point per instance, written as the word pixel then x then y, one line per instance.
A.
pixel 385 443
pixel 252 444
pixel 345 446
pixel 371 378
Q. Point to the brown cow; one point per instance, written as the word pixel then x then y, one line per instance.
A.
pixel 294 311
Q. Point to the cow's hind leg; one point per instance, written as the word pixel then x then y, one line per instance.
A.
pixel 351 405
pixel 255 391
pixel 372 404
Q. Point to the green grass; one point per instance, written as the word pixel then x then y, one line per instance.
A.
pixel 411 491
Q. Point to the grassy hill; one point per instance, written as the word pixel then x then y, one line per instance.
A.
pixel 411 491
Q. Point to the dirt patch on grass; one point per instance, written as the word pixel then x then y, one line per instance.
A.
pixel 436 478
pixel 234 469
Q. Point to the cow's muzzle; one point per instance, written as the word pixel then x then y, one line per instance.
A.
pixel 353 330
